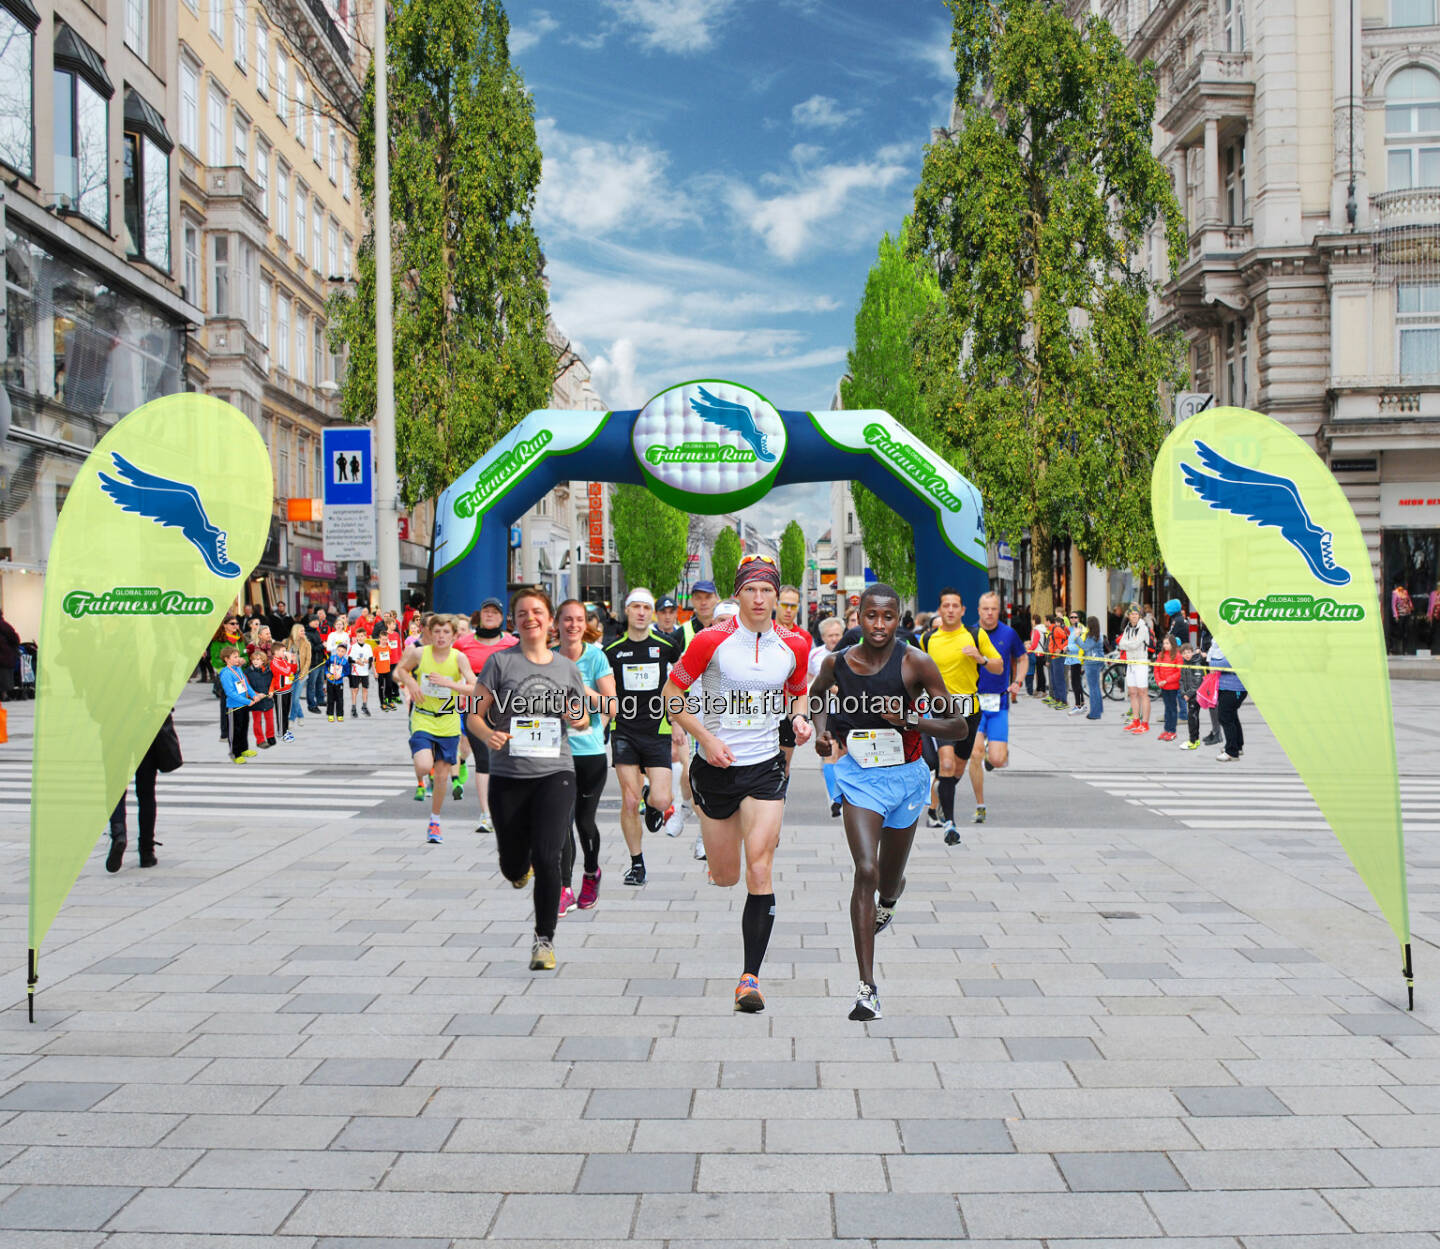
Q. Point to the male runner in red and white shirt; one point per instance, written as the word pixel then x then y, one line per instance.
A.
pixel 751 672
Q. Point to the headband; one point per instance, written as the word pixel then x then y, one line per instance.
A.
pixel 755 569
pixel 640 595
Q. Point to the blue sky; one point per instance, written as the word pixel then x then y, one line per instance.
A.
pixel 718 174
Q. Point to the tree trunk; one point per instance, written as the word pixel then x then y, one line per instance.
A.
pixel 1042 586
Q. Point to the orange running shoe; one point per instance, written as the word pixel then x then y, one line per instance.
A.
pixel 747 995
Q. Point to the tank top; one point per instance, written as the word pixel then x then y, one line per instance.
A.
pixel 855 692
pixel 436 711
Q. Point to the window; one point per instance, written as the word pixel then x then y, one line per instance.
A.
pixel 317 348
pixel 298 242
pixel 217 21
pixel 262 172
pixel 317 232
pixel 317 139
pixel 262 57
pixel 347 253
pixel 241 39
pixel 82 127
pixel 282 335
pixel 1232 24
pixel 220 275
pixel 282 464
pixel 302 116
pixel 247 295
pixel 298 355
pixel 1412 129
pixel 282 200
pixel 262 319
pixel 334 154
pixel 17 90
pixel 190 106
pixel 137 27
pixel 191 275
pixel 282 84
pixel 1412 12
pixel 1237 362
pixel 345 168
pixel 319 485
pixel 303 479
pixel 242 140
pixel 216 154
pixel 146 191
pixel 332 250
pixel 1417 316
pixel 1236 210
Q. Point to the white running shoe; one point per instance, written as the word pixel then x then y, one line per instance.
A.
pixel 867 1003
pixel 700 847
pixel 675 825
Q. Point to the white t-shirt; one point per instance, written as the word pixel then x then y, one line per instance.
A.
pixel 337 642
pixel 361 657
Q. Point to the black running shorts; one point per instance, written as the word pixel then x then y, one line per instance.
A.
pixel 719 791
pixel 787 734
pixel 641 751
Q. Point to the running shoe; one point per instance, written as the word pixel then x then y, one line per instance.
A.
pixel 978 817
pixel 933 820
pixel 867 1003
pixel 883 917
pixel 1132 726
pixel 241 759
pixel 542 955
pixel 1076 711
pixel 636 874
pixel 989 767
pixel 331 719
pixel 289 737
pixel 834 810
pixel 457 789
pixel 699 850
pixel 952 834
pixel 365 708
pixel 747 995
pixel 1144 726
pixel 419 793
pixel 250 754
pixel 1225 757
pixel 675 821
pixel 654 818
pixel 486 825
pixel 1166 737
pixel 432 833
pixel 1189 745
pixel 524 880
pixel 429 785
pixel 1210 739
pixel 567 900
pixel 589 890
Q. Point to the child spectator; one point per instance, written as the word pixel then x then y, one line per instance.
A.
pixel 263 714
pixel 283 667
pixel 361 657
pixel 337 668
pixel 1167 676
pixel 239 698
pixel 1074 664
pixel 1191 675
pixel 380 644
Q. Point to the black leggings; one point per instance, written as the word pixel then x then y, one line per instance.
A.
pixel 334 699
pixel 239 731
pixel 532 823
pixel 590 773
pixel 144 801
pixel 283 702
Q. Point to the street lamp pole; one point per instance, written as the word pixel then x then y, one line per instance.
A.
pixel 386 493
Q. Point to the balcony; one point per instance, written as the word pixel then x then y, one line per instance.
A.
pixel 328 48
pixel 229 339
pixel 1385 398
pixel 1418 206
pixel 231 186
pixel 1216 84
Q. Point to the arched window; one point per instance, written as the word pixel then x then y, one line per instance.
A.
pixel 1412 129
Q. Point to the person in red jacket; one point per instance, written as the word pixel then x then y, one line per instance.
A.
pixel 282 677
pixel 1167 676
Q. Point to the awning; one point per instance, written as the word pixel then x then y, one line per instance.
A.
pixel 72 52
pixel 141 115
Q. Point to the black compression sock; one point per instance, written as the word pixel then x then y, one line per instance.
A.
pixel 637 860
pixel 889 903
pixel 755 925
pixel 947 796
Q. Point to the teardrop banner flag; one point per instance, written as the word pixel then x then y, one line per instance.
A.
pixel 163 523
pixel 1258 531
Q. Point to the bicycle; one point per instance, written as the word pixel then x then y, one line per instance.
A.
pixel 1112 680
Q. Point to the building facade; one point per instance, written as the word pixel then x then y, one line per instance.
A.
pixel 96 312
pixel 269 98
pixel 1304 144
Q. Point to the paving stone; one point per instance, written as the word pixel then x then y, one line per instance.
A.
pixel 604 1049
pixel 1245 1213
pixel 390 1132
pixel 1136 971
pixel 897 1215
pixel 294 1168
pixel 327 953
pixel 1118 1172
pixel 549 1216
pixel 490 1025
pixel 639 1173
pixel 1278 956
pixel 262 1131
pixel 791 1173
pixel 768 1075
pixel 1395 1023
pixel 638 1103
pixel 973 1173
pixel 366 1071
pixel 239 1211
pixel 956 1136
pixel 442 1215
pixel 1047 1049
pixel 1275 1168
pixel 1381 1209
pixel 667 988
pixel 327 1004
pixel 685 1217
pixel 55 1095
pixel 258 984
pixel 129 965
pixel 999 988
pixel 1051 1216
pixel 58 1164
pixel 493 1172
pixel 1230 1101
pixel 62 1207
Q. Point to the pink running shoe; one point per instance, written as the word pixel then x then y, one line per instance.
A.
pixel 589 890
pixel 567 900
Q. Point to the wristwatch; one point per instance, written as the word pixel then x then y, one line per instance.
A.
pixel 912 719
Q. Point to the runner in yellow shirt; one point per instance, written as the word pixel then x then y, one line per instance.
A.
pixel 958 655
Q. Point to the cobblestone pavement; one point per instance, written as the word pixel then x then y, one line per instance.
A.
pixel 1148 1001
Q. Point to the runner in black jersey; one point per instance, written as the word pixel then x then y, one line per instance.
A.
pixel 882 778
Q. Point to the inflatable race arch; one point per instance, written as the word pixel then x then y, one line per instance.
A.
pixel 707 447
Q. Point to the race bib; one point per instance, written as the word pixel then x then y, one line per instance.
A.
pixel 745 711
pixel 875 748
pixel 430 688
pixel 535 738
pixel 989 702
pixel 641 676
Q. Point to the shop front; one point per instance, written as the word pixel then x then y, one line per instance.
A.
pixel 1410 566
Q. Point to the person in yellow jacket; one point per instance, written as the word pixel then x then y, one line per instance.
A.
pixel 433 675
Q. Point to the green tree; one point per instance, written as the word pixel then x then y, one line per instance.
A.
pixel 792 555
pixel 471 355
pixel 899 292
pixel 650 539
pixel 724 560
pixel 1036 214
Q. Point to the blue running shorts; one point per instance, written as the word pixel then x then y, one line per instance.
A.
pixel 898 793
pixel 445 749
pixel 995 725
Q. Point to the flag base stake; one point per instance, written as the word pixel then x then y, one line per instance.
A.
pixel 30 986
pixel 1409 976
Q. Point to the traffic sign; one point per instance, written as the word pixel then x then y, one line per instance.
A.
pixel 349 459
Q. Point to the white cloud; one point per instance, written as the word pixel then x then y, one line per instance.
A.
pixel 613 377
pixel 672 25
pixel 787 221
pixel 523 38
pixel 806 153
pixel 595 187
pixel 822 112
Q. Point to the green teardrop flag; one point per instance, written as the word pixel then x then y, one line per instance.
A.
pixel 163 523
pixel 1258 531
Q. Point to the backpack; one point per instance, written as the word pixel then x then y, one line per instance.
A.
pixel 1207 695
pixel 1058 638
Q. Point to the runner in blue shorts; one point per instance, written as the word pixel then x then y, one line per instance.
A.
pixel 883 781
pixel 995 690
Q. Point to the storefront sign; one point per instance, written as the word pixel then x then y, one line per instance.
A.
pixel 597 522
pixel 1410 504
pixel 312 564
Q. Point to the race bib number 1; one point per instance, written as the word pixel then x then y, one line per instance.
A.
pixel 989 702
pixel 537 738
pixel 875 748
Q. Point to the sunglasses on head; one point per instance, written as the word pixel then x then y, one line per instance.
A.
pixel 763 559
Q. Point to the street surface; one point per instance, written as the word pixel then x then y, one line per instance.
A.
pixel 1148 1001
